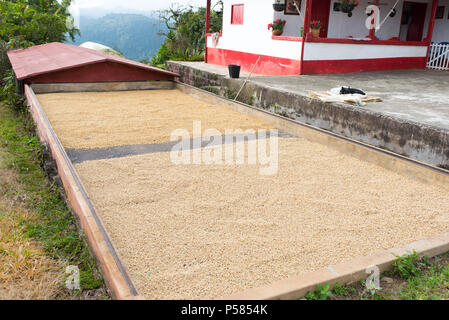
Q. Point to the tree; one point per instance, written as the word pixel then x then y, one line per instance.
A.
pixel 31 22
pixel 24 23
pixel 185 38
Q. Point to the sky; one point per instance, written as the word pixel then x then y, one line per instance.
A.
pixel 99 8
pixel 133 5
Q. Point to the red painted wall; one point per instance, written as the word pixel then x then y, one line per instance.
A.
pixel 278 66
pixel 346 66
pixel 100 72
pixel 267 65
pixel 320 12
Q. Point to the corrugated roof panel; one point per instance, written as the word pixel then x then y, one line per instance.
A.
pixel 55 56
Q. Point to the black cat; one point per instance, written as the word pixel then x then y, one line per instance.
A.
pixel 349 90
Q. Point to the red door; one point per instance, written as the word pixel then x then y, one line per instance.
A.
pixel 416 16
pixel 320 12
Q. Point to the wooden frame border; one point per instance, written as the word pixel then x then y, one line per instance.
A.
pixel 116 277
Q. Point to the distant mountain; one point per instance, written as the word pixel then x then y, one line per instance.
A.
pixel 98 12
pixel 134 35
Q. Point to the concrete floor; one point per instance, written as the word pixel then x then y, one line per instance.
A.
pixel 414 95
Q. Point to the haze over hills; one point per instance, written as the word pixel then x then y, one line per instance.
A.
pixel 134 35
pixel 99 12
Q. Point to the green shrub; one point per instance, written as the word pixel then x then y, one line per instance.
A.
pixel 343 291
pixel 323 293
pixel 409 265
pixel 8 92
pixel 4 61
pixel 185 38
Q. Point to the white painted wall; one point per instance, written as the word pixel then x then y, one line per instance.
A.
pixel 253 36
pixel 343 51
pixel 294 22
pixel 441 30
pixel 341 26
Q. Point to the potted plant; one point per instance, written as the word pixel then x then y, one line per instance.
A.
pixel 315 27
pixel 277 27
pixel 278 6
pixel 347 6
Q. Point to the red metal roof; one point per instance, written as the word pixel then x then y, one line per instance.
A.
pixel 56 56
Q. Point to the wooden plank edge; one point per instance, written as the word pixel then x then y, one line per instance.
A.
pixel 112 269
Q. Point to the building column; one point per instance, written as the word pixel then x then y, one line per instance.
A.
pixel 431 22
pixel 207 27
pixel 428 39
pixel 208 16
pixel 306 34
pixel 307 19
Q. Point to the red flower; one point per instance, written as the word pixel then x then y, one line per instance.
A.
pixel 277 24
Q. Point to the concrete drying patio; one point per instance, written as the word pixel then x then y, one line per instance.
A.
pixel 417 95
pixel 412 120
pixel 207 231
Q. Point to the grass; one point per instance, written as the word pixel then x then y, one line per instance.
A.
pixel 25 270
pixel 37 226
pixel 412 278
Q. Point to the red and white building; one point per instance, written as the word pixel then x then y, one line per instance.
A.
pixel 346 44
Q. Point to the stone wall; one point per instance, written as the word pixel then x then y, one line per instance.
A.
pixel 418 141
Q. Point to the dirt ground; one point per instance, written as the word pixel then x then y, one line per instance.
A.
pixel 202 232
pixel 106 119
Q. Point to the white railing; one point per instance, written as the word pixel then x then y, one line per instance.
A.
pixel 438 57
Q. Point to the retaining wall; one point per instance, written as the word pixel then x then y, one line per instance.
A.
pixel 415 140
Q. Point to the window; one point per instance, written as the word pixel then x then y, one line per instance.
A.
pixel 440 12
pixel 237 14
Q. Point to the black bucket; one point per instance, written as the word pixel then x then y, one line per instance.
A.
pixel 234 71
